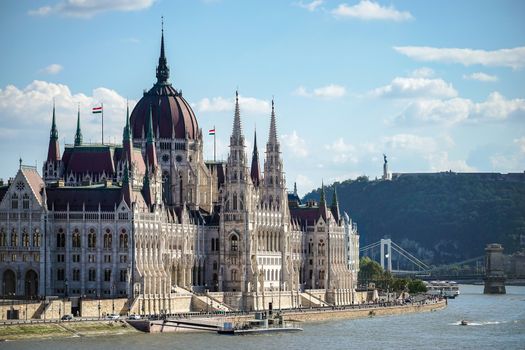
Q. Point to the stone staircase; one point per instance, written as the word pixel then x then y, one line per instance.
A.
pixel 310 300
pixel 202 302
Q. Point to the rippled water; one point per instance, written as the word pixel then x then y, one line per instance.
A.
pixel 495 321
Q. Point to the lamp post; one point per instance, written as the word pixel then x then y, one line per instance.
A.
pixel 113 297
pixel 66 285
pixel 98 297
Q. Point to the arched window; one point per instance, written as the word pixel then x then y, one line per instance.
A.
pixel 241 200
pixel 234 246
pixel 61 238
pixel 36 238
pixel 25 201
pixel 92 239
pixel 14 238
pixel 234 275
pixel 215 265
pixel 14 201
pixel 25 238
pixel 234 201
pixel 76 239
pixel 108 239
pixel 123 240
pixel 3 238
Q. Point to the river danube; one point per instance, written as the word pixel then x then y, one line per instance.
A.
pixel 495 322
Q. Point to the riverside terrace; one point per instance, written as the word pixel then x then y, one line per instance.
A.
pixel 206 321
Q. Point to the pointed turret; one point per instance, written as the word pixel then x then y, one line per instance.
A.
pixel 255 169
pixel 335 206
pixel 78 134
pixel 53 152
pixel 163 71
pixel 126 140
pixel 237 138
pixel 126 186
pixel 146 190
pixel 151 154
pixel 273 127
pixel 295 189
pixel 322 203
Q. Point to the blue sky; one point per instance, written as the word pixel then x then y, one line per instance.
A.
pixel 436 85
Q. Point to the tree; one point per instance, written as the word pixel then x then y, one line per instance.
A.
pixel 369 270
pixel 416 286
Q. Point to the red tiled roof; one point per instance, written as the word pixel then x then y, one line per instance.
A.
pixel 91 196
pixel 93 159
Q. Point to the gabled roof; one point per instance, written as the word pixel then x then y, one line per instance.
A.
pixel 89 159
pixel 78 196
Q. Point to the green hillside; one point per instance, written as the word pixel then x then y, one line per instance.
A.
pixel 443 218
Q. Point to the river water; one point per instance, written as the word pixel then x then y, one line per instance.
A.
pixel 495 322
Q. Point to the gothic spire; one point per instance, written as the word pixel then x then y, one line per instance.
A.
pixel 163 71
pixel 255 169
pixel 273 127
pixel 322 200
pixel 127 131
pixel 335 205
pixel 295 188
pixel 53 151
pixel 54 131
pixel 151 153
pixel 149 132
pixel 78 134
pixel 237 127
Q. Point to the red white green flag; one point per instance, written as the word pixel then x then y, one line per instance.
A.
pixel 212 131
pixel 97 110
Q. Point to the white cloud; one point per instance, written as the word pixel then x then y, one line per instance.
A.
pixel 310 6
pixel 521 144
pixel 31 107
pixel 328 91
pixel 90 8
pixel 439 161
pixel 370 10
pixel 295 144
pixel 423 72
pixel 456 110
pixel 480 76
pixel 52 69
pixel 416 88
pixel 410 142
pixel 220 104
pixel 341 152
pixel 304 183
pixel 513 58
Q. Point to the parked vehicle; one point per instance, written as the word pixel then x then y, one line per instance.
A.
pixel 67 317
pixel 134 317
pixel 113 317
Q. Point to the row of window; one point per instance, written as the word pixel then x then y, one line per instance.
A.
pixel 28 240
pixel 15 201
pixel 25 257
pixel 92 275
pixel 91 258
pixel 76 241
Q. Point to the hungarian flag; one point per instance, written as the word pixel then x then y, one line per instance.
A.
pixel 97 109
pixel 212 131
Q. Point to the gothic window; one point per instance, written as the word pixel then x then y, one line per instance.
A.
pixel 3 239
pixel 76 275
pixel 36 238
pixel 14 238
pixel 25 238
pixel 234 275
pixel 76 238
pixel 14 201
pixel 25 201
pixel 92 239
pixel 235 201
pixel 123 275
pixel 212 244
pixel 92 275
pixel 241 200
pixel 108 239
pixel 107 275
pixel 234 246
pixel 123 240
pixel 61 238
pixel 60 274
pixel 214 265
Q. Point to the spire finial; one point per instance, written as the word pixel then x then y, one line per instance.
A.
pixel 163 71
pixel 54 132
pixel 78 134
pixel 322 200
pixel 273 126
pixel 20 162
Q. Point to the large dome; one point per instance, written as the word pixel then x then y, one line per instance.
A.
pixel 171 114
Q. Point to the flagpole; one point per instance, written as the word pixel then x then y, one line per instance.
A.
pixel 214 143
pixel 102 122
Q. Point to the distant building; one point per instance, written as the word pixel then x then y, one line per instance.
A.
pixel 149 218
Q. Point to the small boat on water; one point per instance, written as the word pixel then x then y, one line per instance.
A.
pixel 464 323
pixel 257 326
pixel 445 289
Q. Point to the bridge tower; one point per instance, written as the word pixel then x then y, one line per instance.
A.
pixel 494 273
pixel 386 243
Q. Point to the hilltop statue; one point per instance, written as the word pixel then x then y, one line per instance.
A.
pixel 386 175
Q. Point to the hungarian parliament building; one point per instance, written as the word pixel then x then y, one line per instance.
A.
pixel 151 219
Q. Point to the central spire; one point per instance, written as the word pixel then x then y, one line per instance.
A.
pixel 163 71
pixel 237 138
pixel 78 134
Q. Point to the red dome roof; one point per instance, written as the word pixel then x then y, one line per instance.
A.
pixel 171 114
